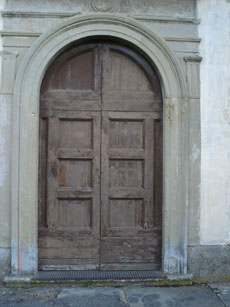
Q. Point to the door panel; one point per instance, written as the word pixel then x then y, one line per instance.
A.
pixel 73 189
pixel 127 183
pixel 126 86
pixel 100 180
pixel 73 82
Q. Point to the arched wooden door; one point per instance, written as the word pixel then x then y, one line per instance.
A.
pixel 100 182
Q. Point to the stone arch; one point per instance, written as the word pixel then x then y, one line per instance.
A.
pixel 24 194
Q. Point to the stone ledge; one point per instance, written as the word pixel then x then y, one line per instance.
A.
pixel 141 17
pixel 170 280
pixel 33 14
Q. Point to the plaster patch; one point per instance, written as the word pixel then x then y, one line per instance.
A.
pixel 4 253
pixel 24 257
pixel 226 110
pixel 27 257
pixel 195 153
pixel 175 257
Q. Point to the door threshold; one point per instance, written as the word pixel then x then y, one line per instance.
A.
pixel 92 275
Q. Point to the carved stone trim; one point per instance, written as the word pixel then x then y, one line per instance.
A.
pixel 103 6
pixel 8 71
pixel 169 39
pixel 23 34
pixel 196 59
pixel 109 6
pixel 193 75
pixel 33 14
pixel 147 17
pixel 183 39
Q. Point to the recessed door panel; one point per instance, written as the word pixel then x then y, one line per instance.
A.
pixel 73 81
pixel 129 82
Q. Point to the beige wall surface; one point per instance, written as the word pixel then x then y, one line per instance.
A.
pixel 214 31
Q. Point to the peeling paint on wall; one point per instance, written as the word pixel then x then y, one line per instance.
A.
pixel 24 258
pixel 176 257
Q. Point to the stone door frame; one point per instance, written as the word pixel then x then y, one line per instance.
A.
pixel 25 136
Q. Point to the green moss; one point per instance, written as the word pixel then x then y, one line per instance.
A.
pixel 92 283
pixel 211 278
pixel 117 283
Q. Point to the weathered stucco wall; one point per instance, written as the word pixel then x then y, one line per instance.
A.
pixel 214 31
pixel 210 260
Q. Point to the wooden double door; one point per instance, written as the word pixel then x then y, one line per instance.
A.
pixel 100 179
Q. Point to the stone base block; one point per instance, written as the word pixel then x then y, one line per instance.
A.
pixel 209 263
pixel 4 261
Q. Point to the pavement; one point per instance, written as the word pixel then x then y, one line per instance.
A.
pixel 216 295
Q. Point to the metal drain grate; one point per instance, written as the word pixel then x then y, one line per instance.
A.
pixel 98 275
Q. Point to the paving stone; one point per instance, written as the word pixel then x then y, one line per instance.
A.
pixel 19 294
pixel 33 303
pixel 192 296
pixel 172 297
pixel 223 291
pixel 75 291
pixel 94 297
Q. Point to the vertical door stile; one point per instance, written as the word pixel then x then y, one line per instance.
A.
pixel 42 214
pixel 96 126
pixel 100 157
pixel 52 172
pixel 105 75
pixel 104 145
pixel 158 172
pixel 104 175
pixel 148 172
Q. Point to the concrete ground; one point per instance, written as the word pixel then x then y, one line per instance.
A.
pixel 216 295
